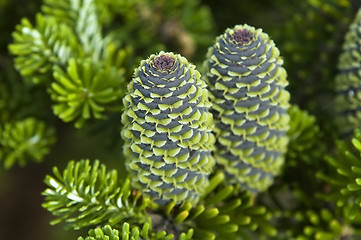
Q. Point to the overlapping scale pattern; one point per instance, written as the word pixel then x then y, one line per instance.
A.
pixel 348 81
pixel 168 129
pixel 247 81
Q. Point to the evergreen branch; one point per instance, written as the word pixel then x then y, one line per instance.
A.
pixel 87 195
pixel 322 224
pixel 38 48
pixel 107 233
pixel 223 213
pixel 86 90
pixel 114 55
pixel 70 30
pixel 19 100
pixel 82 17
pixel 310 38
pixel 131 233
pixel 67 29
pixel 25 140
pixel 11 94
pixel 305 136
pixel 181 26
pixel 345 177
pixel 305 155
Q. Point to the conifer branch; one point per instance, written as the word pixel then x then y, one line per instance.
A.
pixel 223 213
pixel 69 30
pixel 76 54
pixel 128 232
pixel 344 177
pixel 316 224
pixel 38 48
pixel 87 195
pixel 82 17
pixel 310 39
pixel 84 91
pixel 305 154
pixel 25 140
pixel 305 137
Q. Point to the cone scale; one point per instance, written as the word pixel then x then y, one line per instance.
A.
pixel 167 129
pixel 247 82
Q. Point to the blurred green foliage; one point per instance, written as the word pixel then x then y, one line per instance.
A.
pixel 316 197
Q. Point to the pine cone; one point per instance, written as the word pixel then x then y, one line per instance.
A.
pixel 247 80
pixel 348 99
pixel 167 129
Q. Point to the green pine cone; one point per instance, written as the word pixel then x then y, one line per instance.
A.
pixel 348 81
pixel 167 129
pixel 247 81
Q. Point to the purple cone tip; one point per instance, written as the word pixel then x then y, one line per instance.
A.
pixel 163 62
pixel 242 36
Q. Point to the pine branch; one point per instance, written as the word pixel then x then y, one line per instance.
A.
pixel 69 30
pixel 82 17
pixel 304 136
pixel 86 90
pixel 304 156
pixel 310 38
pixel 345 177
pixel 88 195
pixel 321 224
pixel 167 132
pixel 18 100
pixel 24 141
pixel 131 233
pixel 223 213
pixel 298 181
pixel 185 27
pixel 107 233
pixel 38 48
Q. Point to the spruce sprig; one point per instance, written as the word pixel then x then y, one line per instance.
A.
pixel 345 177
pixel 104 233
pixel 82 17
pixel 87 195
pixel 224 212
pixel 37 48
pixel 322 224
pixel 304 135
pixel 25 140
pixel 64 31
pixel 84 91
pixel 310 39
pixel 128 232
pixel 304 156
